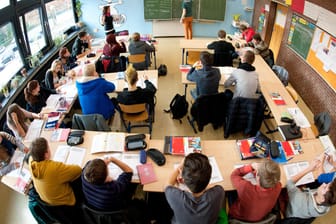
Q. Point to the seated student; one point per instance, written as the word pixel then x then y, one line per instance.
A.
pixel 199 203
pixel 112 47
pixel 17 120
pixel 260 47
pixel 245 78
pixel 247 32
pixel 223 50
pixel 100 190
pixel 82 43
pixel 134 94
pixel 68 61
pixel 310 203
pixel 206 77
pixel 254 202
pixel 328 177
pixel 52 179
pixel 54 77
pixel 36 96
pixel 92 93
pixel 8 145
pixel 137 46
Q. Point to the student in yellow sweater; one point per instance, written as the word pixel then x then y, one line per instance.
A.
pixel 52 179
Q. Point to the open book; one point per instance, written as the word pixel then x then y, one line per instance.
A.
pixel 131 159
pixel 292 169
pixel 70 155
pixel 108 142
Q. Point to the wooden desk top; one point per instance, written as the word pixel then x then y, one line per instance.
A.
pixel 227 156
pixel 201 43
pixel 225 72
pixel 120 84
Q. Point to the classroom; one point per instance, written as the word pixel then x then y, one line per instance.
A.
pixel 294 30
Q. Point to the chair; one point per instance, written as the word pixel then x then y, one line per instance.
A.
pixel 210 109
pixel 89 122
pixel 270 59
pixel 192 57
pixel 322 122
pixel 244 114
pixel 282 74
pixel 269 219
pixel 135 113
pixel 93 216
pixel 138 61
pixel 110 64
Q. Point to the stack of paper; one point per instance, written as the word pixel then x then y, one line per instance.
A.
pixel 299 117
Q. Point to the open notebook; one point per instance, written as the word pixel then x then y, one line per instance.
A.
pixel 70 155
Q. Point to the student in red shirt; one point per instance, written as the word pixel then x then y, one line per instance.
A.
pixel 247 32
pixel 254 202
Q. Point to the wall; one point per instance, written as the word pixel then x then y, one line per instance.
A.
pixel 315 92
pixel 134 12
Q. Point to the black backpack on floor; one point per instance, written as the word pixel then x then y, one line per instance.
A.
pixel 178 107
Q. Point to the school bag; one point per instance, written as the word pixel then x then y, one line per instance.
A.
pixel 178 107
pixel 162 70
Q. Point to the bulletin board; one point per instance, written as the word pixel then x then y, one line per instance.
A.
pixel 300 35
pixel 322 55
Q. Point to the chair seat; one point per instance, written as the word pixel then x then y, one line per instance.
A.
pixel 136 116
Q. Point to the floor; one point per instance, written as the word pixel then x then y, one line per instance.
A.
pixel 14 209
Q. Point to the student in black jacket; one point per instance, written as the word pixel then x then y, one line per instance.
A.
pixel 36 96
pixel 134 94
pixel 223 50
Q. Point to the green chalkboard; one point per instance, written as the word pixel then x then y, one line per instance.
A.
pixel 172 9
pixel 300 35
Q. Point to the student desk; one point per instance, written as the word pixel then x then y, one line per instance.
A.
pixel 270 83
pixel 225 74
pixel 120 84
pixel 227 156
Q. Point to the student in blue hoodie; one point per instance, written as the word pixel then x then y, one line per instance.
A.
pixel 92 93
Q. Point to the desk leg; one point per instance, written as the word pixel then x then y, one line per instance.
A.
pixel 185 89
pixel 183 50
pixel 154 60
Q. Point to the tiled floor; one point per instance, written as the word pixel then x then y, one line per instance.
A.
pixel 14 209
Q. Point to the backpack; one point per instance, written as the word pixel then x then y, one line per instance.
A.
pixel 162 70
pixel 178 107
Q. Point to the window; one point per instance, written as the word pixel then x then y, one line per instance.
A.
pixel 60 17
pixel 10 60
pixel 33 24
pixel 4 3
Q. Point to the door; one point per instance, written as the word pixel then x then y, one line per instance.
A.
pixel 278 29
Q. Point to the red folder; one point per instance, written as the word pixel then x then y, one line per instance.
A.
pixel 146 173
pixel 287 148
pixel 177 145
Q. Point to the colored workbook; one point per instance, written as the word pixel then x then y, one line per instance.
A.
pixel 146 173
pixel 52 120
pixel 277 99
pixel 244 146
pixel 182 145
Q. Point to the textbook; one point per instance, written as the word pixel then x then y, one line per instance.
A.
pixel 146 173
pixel 69 155
pixel 182 145
pixel 292 169
pixel 108 142
pixel 52 120
pixel 244 146
pixel 277 99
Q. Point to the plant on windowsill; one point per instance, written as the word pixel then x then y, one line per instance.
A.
pixel 34 60
pixel 58 41
pixel 78 9
pixel 4 90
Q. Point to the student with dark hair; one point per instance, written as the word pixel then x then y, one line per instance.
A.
pixel 68 61
pixel 17 120
pixel 52 179
pixel 206 77
pixel 261 48
pixel 36 96
pixel 134 94
pixel 82 43
pixel 254 202
pixel 224 50
pixel 199 203
pixel 112 47
pixel 310 203
pixel 106 20
pixel 247 32
pixel 100 190
pixel 245 78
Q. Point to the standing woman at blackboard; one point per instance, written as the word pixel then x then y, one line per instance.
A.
pixel 186 18
pixel 106 20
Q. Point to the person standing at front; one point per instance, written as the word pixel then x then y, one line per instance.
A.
pixel 186 18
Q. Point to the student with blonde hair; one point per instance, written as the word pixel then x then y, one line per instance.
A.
pixel 254 202
pixel 92 93
pixel 54 76
pixel 134 94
